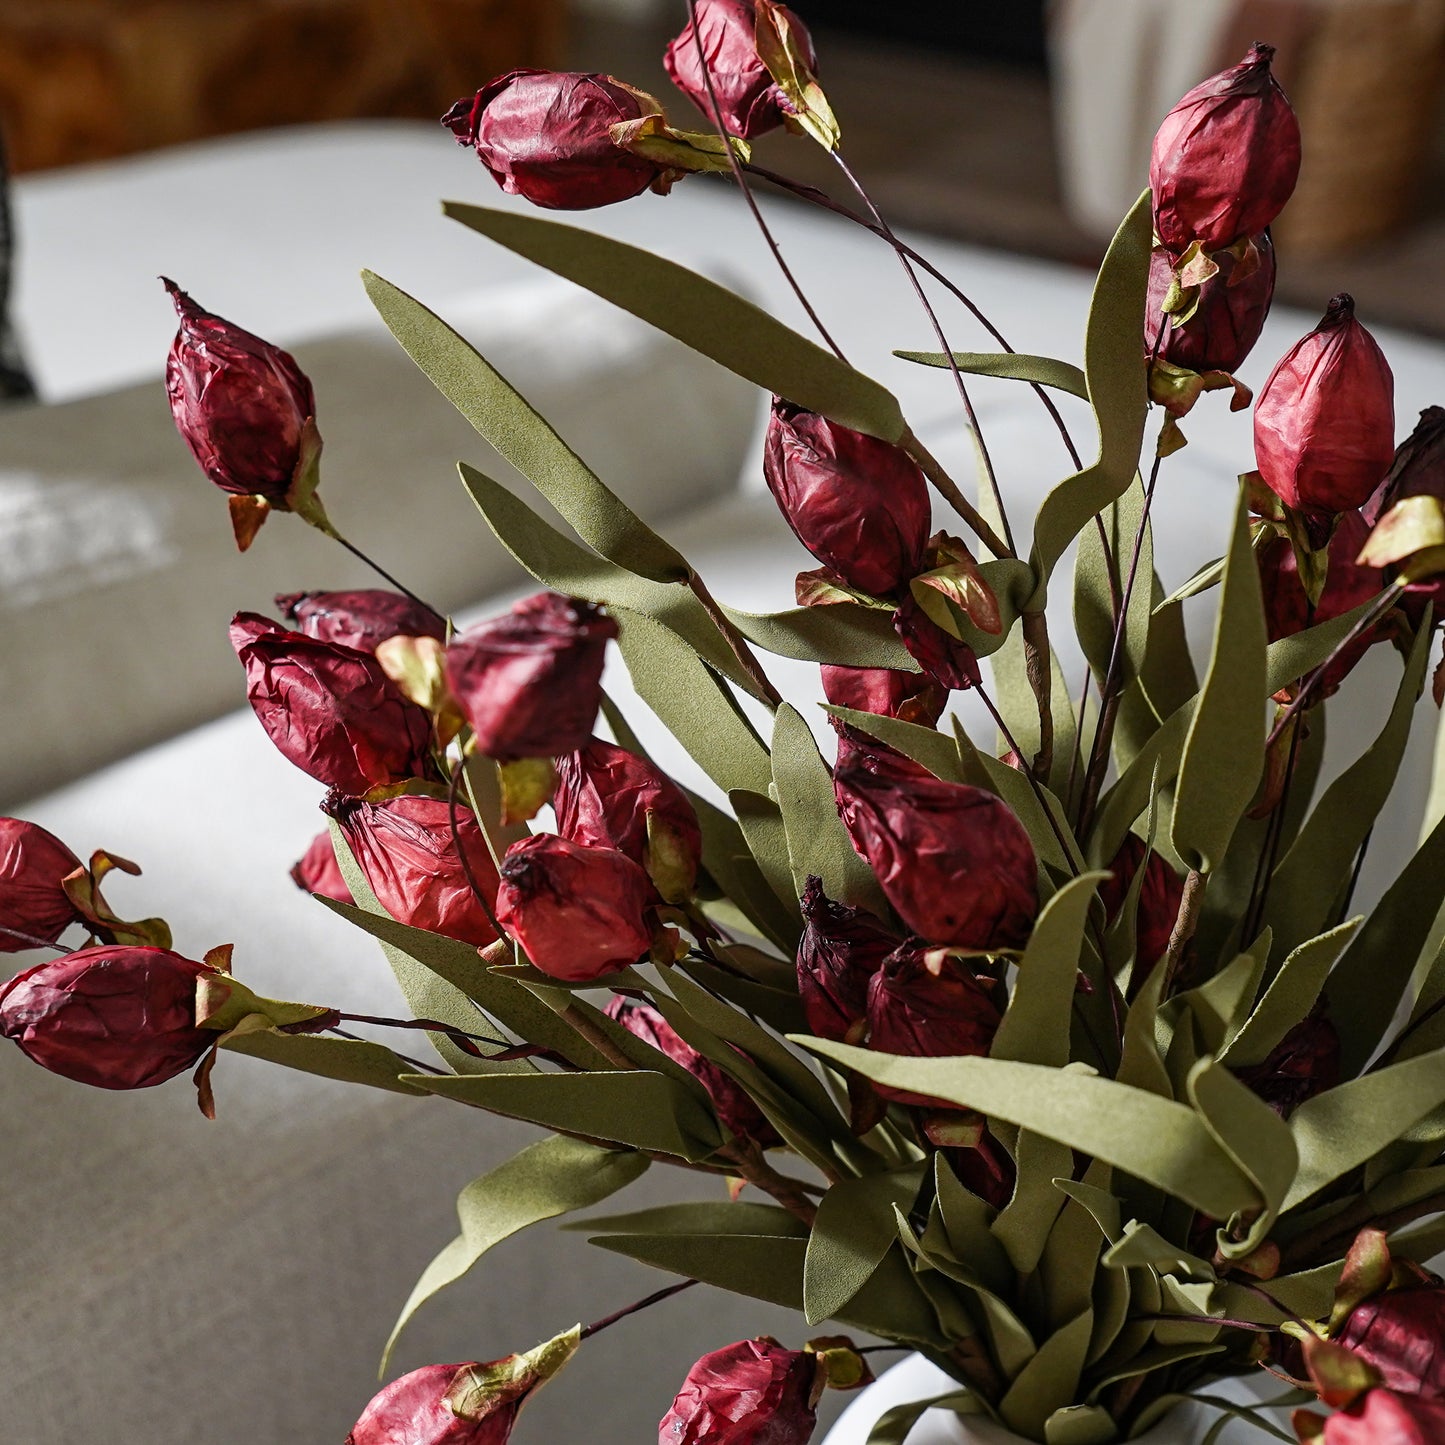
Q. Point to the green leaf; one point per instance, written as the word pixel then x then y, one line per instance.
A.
pixel 843 633
pixel 1158 1141
pixel 1035 1029
pixel 926 746
pixel 551 1177
pixel 965 1220
pixel 1224 754
pixel 703 315
pixel 1221 1004
pixel 1338 1130
pixel 817 841
pixel 1050 1381
pixel 704 1216
pixel 1114 368
pixel 1099 576
pixel 762 823
pixel 1010 366
pixel 896 1425
pixel 1304 889
pixel 853 1232
pixel 501 415
pixel 637 1108
pixel 353 1061
pixel 1025 1222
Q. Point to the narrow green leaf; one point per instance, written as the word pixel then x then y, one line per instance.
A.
pixel 1221 1004
pixel 551 1177
pixel 896 1425
pixel 1100 576
pixel 353 1061
pixel 762 823
pixel 1224 753
pixel 501 415
pixel 1050 1380
pixel 844 633
pixel 702 1216
pixel 1025 1222
pixel 926 746
pixel 703 315
pixel 1010 366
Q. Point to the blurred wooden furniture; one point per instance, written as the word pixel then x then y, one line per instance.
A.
pixel 86 79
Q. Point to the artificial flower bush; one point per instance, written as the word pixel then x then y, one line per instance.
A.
pixel 1059 1055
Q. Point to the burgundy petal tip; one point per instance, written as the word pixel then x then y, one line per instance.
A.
pixel 1340 310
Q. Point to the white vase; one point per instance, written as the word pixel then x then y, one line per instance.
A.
pixel 915 1379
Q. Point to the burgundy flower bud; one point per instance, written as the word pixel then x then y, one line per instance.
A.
pixel 752 1393
pixel 240 404
pixel 530 681
pixel 331 710
pixel 1382 1417
pixel 748 101
pixel 406 849
pixel 1324 424
pixel 840 951
pixel 1348 583
pixel 416 1410
pixel 859 505
pixel 922 1014
pixel 611 798
pixel 317 870
pixel 888 691
pixel 1401 1332
pixel 1418 469
pixel 33 867
pixel 1305 1062
pixel 1227 318
pixel 547 135
pixel 857 750
pixel 1160 895
pixel 360 619
pixel 578 912
pixel 954 860
pixel 735 1109
pixel 1226 158
pixel 114 1017
pixel 943 657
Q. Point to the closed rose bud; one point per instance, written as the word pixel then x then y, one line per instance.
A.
pixel 748 100
pixel 1160 895
pixel 1227 318
pixel 1418 468
pixel 405 848
pixel 856 749
pixel 331 710
pixel 921 1014
pixel 1401 1332
pixel 611 798
pixel 858 504
pixel 530 681
pixel 752 1393
pixel 1324 425
pixel 1226 158
pixel 360 619
pixel 1379 1417
pixel 735 1108
pixel 953 860
pixel 840 951
pixel 1305 1062
pixel 33 867
pixel 944 658
pixel 547 135
pixel 239 403
pixel 114 1017
pixel 416 1410
pixel 888 691
pixel 578 912
pixel 317 870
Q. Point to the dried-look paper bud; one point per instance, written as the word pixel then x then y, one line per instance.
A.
pixel 755 1392
pixel 317 870
pixel 1218 327
pixel 888 691
pixel 34 865
pixel 1305 1062
pixel 361 619
pixel 840 951
pixel 1160 895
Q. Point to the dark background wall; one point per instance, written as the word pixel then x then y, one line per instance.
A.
pixel 1007 30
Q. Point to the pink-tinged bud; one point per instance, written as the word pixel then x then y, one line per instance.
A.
pixel 748 100
pixel 578 912
pixel 405 848
pixel 752 1393
pixel 1418 469
pixel 331 710
pixel 1226 158
pixel 241 404
pixel 1348 583
pixel 1401 1332
pixel 316 871
pixel 1225 321
pixel 1324 424
pixel 416 1410
pixel 943 657
pixel 547 135
pixel 735 1109
pixel 117 1018
pixel 890 692
pixel 953 860
pixel 361 619
pixel 33 867
pixel 611 798
pixel 530 681
pixel 840 951
pixel 857 750
pixel 1378 1417
pixel 1305 1062
pixel 859 505
pixel 1160 895
pixel 922 1014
